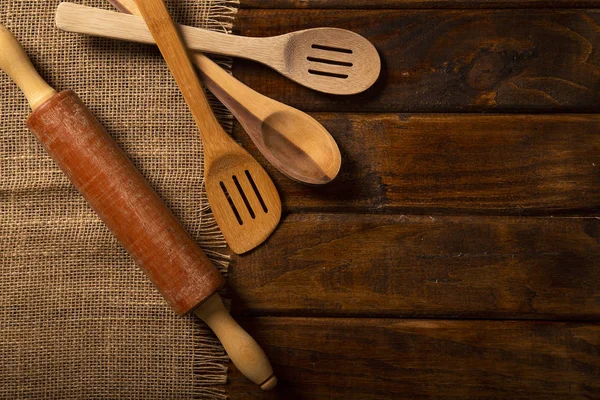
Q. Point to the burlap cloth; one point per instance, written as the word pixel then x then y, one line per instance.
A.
pixel 77 318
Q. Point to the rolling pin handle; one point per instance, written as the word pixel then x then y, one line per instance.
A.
pixel 243 350
pixel 18 67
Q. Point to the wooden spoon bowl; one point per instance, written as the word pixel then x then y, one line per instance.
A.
pixel 290 137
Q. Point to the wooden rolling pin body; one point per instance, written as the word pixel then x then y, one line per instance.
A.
pixel 125 201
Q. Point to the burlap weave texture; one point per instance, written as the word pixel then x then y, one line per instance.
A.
pixel 77 318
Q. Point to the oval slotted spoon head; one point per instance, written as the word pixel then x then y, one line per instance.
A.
pixel 330 60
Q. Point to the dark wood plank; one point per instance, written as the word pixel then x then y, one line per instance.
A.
pixel 417 359
pixel 458 267
pixel 449 60
pixel 418 4
pixel 485 164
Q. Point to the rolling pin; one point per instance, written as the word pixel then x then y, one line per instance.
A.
pixel 130 208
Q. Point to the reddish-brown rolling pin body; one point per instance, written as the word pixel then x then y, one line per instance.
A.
pixel 125 201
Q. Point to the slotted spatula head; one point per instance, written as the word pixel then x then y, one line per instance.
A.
pixel 331 60
pixel 243 199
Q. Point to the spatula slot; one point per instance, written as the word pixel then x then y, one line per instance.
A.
pixel 231 203
pixel 246 202
pixel 329 48
pixel 258 196
pixel 331 74
pixel 331 62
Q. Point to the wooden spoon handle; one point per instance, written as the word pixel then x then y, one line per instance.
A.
pixel 126 6
pixel 114 25
pixel 16 64
pixel 167 38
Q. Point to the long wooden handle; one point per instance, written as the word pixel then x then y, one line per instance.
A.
pixel 114 25
pixel 245 353
pixel 167 38
pixel 16 64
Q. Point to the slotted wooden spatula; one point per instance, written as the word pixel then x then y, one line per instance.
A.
pixel 242 196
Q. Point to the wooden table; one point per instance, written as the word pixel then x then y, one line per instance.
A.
pixel 458 253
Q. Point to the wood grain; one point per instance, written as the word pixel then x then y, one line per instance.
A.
pixel 449 60
pixel 434 4
pixel 437 216
pixel 418 359
pixel 455 164
pixel 425 266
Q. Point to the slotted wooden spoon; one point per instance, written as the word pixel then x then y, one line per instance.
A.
pixel 243 198
pixel 293 141
pixel 330 60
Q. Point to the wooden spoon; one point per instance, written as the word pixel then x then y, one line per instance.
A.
pixel 294 142
pixel 330 60
pixel 243 198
